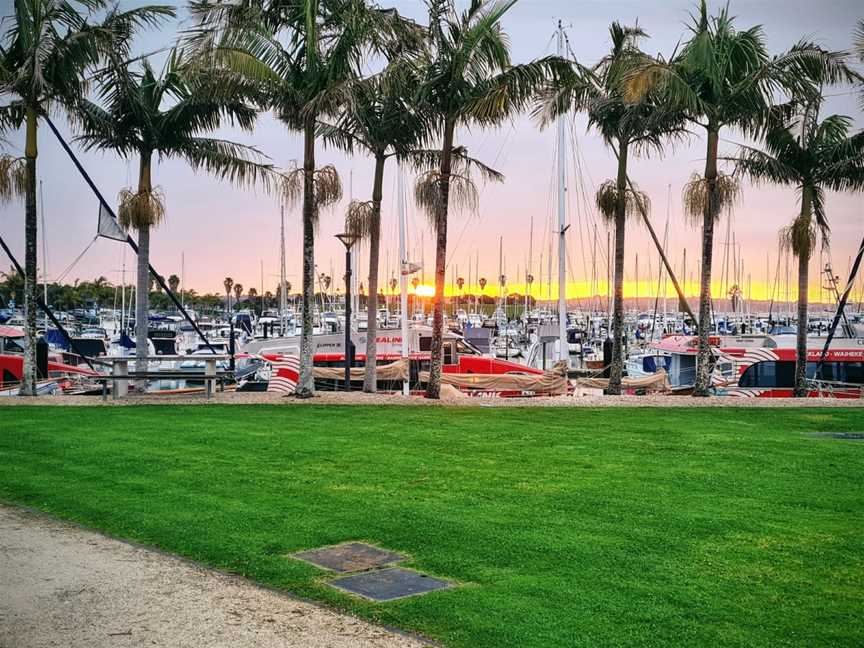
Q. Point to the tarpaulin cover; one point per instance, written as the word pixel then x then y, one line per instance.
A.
pixel 656 382
pixel 552 381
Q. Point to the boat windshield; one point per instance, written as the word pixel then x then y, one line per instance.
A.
pixel 464 347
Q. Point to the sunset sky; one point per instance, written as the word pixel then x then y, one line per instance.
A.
pixel 224 231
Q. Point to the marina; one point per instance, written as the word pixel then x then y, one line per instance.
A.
pixel 452 323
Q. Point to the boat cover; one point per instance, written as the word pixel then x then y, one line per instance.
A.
pixel 553 381
pixel 655 382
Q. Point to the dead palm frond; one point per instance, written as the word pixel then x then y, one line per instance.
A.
pixel 800 237
pixel 608 197
pixel 13 178
pixel 327 186
pixel 727 192
pixel 463 195
pixel 141 208
pixel 359 219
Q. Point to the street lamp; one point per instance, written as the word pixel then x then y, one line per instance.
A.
pixel 348 240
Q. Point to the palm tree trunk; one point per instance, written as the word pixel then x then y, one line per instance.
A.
pixel 306 386
pixel 370 378
pixel 433 388
pixel 31 236
pixel 803 298
pixel 617 368
pixel 704 360
pixel 142 288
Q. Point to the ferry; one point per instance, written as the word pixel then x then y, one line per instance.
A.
pixel 763 365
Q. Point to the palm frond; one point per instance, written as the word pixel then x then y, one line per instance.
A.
pixel 462 194
pixel 800 236
pixel 359 218
pixel 241 165
pixel 139 209
pixel 697 196
pixel 608 200
pixel 13 178
pixel 422 160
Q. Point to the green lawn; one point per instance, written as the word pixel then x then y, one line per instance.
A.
pixel 564 527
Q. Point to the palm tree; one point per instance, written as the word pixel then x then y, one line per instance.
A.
pixel 466 78
pixel 238 293
pixel 625 126
pixel 379 120
pixel 228 283
pixel 723 78
pixel 173 282
pixel 812 156
pixel 147 114
pixel 299 51
pixel 44 55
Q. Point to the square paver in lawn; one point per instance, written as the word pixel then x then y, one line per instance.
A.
pixel 349 557
pixel 389 584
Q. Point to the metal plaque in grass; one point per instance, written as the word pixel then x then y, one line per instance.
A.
pixel 846 436
pixel 349 557
pixel 389 584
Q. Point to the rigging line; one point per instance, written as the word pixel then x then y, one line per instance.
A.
pixel 479 220
pixel 580 191
pixel 63 274
pixel 660 261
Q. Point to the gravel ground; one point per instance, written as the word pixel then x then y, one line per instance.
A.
pixel 61 585
pixel 448 399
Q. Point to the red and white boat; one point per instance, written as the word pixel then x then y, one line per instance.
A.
pixel 763 366
pixel 768 371
pixel 460 357
pixel 61 376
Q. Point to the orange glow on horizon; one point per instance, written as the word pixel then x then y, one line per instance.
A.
pixel 646 290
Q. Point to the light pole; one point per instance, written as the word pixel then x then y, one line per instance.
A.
pixel 348 240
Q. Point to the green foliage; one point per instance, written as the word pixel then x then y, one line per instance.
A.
pixel 562 527
pixel 140 113
pixel 643 122
pixel 810 155
pixel 50 44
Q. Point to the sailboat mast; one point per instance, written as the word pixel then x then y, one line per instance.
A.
pixel 563 352
pixel 182 279
pixel 500 269
pixel 44 245
pixel 403 278
pixel 283 298
pixel 530 267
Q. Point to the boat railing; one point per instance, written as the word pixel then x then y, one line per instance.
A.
pixel 834 388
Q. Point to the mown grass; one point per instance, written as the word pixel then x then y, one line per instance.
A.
pixel 564 527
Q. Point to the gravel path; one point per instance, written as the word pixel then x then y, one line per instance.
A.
pixel 61 585
pixel 448 399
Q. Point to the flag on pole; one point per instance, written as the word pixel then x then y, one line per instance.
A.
pixel 108 225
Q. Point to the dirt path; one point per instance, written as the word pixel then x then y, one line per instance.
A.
pixel 64 586
pixel 449 398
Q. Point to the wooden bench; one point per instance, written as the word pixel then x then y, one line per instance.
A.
pixel 120 374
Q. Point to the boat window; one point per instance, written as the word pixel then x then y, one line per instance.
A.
pixel 855 373
pixel 425 343
pixel 15 345
pixel 779 374
pixel 9 377
pixel 846 372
